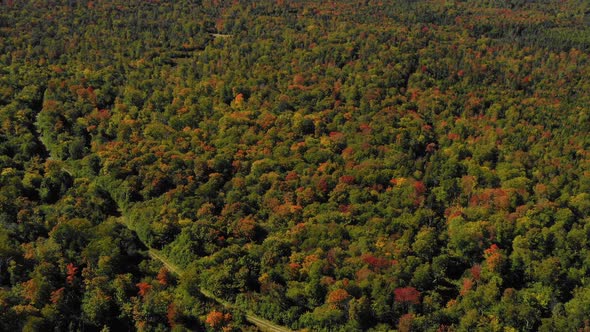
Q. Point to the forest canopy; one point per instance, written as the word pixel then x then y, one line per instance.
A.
pixel 325 165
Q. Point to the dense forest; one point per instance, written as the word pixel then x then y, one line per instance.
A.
pixel 409 165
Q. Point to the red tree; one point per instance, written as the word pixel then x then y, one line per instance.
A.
pixel 338 296
pixel 71 272
pixel 171 315
pixel 144 288
pixel 407 295
pixel 377 262
pixel 476 271
pixel 216 319
pixel 57 295
pixel 419 188
pixel 163 276
pixel 493 257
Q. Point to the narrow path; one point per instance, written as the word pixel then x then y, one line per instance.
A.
pixel 261 323
pixel 220 35
pixel 155 254
pixel 265 325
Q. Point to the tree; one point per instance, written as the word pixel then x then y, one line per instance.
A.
pixel 217 319
pixel 408 295
pixel 144 288
pixel 338 298
pixel 163 276
pixel 71 273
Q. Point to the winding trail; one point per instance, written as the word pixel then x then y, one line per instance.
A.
pixel 261 323
pixel 221 35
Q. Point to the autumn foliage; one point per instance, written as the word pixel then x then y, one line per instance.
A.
pixel 407 295
pixel 377 262
pixel 326 165
pixel 163 276
pixel 217 319
pixel 57 295
pixel 172 315
pixel 71 271
pixel 144 288
pixel 338 296
pixel 405 323
pixel 493 257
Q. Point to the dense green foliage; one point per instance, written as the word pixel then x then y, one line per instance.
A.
pixel 346 165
